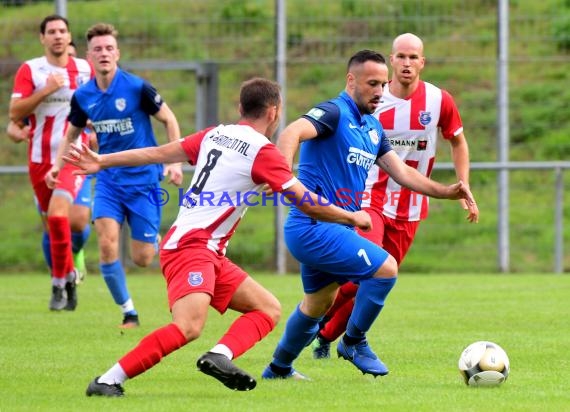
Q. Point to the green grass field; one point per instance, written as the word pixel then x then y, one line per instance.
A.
pixel 49 358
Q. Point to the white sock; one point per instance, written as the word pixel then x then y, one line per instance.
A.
pixel 59 282
pixel 70 276
pixel 128 306
pixel 223 350
pixel 114 375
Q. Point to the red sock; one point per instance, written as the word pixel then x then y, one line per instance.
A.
pixel 60 246
pixel 337 324
pixel 345 293
pixel 151 349
pixel 246 331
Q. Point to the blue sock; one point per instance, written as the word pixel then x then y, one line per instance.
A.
pixel 300 330
pixel 78 239
pixel 114 276
pixel 368 303
pixel 46 249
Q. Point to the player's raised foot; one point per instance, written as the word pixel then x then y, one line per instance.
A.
pixel 130 321
pixel 58 299
pixel 71 291
pixel 321 348
pixel 79 264
pixel 104 389
pixel 361 356
pixel 223 369
pixel 271 373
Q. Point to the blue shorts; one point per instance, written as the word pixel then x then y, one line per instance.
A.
pixel 331 252
pixel 83 197
pixel 130 202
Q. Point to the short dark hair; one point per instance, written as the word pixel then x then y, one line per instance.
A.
pixel 101 29
pixel 256 95
pixel 50 18
pixel 363 56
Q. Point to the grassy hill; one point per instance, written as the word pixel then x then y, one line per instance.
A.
pixel 460 47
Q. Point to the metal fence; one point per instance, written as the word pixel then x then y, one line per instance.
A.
pixel 460 36
pixel 538 233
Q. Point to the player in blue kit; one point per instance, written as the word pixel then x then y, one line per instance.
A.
pixel 119 106
pixel 341 140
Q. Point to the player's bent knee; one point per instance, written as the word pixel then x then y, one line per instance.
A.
pixel 77 226
pixel 389 268
pixel 108 250
pixel 143 260
pixel 273 310
pixel 142 253
pixel 78 220
pixel 190 330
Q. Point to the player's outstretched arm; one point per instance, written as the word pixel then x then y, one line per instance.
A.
pixel 320 208
pixel 409 177
pixel 87 160
pixel 90 162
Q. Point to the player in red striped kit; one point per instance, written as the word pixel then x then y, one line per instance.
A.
pixel 412 113
pixel 42 91
pixel 80 212
pixel 230 160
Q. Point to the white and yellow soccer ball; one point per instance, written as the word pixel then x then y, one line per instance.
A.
pixel 484 363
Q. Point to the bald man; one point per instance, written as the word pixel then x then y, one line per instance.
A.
pixel 413 113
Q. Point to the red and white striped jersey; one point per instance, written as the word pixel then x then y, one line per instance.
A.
pixel 48 122
pixel 233 162
pixel 411 126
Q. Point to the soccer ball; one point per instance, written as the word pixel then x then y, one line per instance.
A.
pixel 484 364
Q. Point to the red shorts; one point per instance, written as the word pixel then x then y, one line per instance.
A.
pixel 67 182
pixel 395 236
pixel 193 270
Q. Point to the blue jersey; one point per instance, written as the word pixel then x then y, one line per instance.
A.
pixel 335 164
pixel 121 119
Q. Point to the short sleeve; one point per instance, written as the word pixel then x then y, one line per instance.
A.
pixel 23 82
pixel 385 145
pixel 449 119
pixel 325 117
pixel 191 145
pixel 151 101
pixel 271 167
pixel 77 116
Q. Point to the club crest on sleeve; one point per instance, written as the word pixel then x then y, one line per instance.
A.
pixel 121 104
pixel 195 278
pixel 425 118
pixel 316 113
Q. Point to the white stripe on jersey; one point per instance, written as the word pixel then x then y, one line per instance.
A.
pixel 227 157
pixel 411 126
pixel 49 119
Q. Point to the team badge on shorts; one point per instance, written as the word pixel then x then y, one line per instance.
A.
pixel 425 118
pixel 195 278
